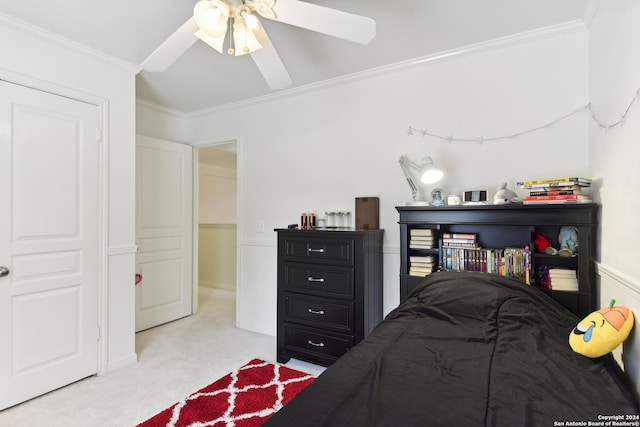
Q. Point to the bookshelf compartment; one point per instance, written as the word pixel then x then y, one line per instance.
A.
pixel 495 236
pixel 509 226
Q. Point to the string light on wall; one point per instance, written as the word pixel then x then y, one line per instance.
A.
pixel 481 139
pixel 623 118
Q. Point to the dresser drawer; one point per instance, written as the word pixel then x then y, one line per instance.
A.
pixel 335 251
pixel 321 346
pixel 318 280
pixel 319 312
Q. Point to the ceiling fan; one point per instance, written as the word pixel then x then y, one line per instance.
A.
pixel 213 19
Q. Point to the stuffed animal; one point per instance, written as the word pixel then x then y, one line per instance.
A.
pixel 542 243
pixel 505 196
pixel 568 239
pixel 601 331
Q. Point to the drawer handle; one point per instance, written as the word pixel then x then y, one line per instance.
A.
pixel 315 279
pixel 318 312
pixel 321 250
pixel 315 344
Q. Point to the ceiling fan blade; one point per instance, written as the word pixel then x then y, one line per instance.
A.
pixel 172 48
pixel 215 42
pixel 269 63
pixel 336 23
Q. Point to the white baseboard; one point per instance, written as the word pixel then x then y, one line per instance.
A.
pixel 122 362
pixel 225 286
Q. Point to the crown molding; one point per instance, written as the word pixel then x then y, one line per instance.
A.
pixel 64 42
pixel 494 44
pixel 161 108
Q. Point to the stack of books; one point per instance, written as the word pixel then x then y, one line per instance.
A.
pixel 516 263
pixel 557 190
pixel 460 252
pixel 459 240
pixel 510 262
pixel 420 265
pixel 563 279
pixel 421 238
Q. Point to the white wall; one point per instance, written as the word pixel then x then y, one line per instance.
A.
pixel 316 150
pixel 162 123
pixel 217 253
pixel 218 195
pixel 614 67
pixel 39 60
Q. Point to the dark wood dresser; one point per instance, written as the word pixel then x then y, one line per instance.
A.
pixel 329 291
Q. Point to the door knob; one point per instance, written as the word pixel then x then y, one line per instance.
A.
pixel 4 271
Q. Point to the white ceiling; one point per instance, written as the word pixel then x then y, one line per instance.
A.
pixel 202 78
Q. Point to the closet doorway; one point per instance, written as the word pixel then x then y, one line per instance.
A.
pixel 217 215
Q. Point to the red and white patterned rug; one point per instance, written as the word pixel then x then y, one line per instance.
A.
pixel 246 397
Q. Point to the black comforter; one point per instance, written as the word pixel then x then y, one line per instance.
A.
pixel 466 349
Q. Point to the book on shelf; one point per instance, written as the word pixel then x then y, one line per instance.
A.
pixel 421 265
pixel 556 202
pixel 421 238
pixel 465 259
pixel 413 245
pixel 556 278
pixel 422 269
pixel 421 258
pixel 421 232
pixel 413 272
pixel 574 197
pixel 563 279
pixel 429 240
pixel 454 244
pixel 557 191
pixel 445 240
pixel 471 236
pixel 459 240
pixel 562 273
pixel 535 183
pixel 571 286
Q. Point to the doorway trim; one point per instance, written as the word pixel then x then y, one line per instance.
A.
pixel 196 211
pixel 103 190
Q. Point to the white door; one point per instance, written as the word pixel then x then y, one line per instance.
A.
pixel 49 237
pixel 164 227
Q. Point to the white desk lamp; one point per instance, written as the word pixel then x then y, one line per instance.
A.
pixel 429 174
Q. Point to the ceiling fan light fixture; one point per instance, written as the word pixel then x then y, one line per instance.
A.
pixel 215 42
pixel 244 39
pixel 212 16
pixel 252 21
pixel 263 7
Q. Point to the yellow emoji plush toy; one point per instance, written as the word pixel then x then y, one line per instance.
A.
pixel 601 331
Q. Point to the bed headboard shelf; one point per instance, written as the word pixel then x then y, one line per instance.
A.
pixel 502 226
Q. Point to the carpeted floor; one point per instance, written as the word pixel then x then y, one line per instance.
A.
pixel 174 360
